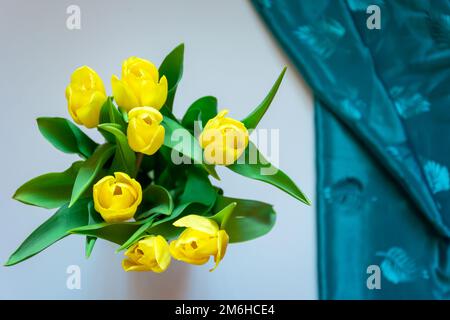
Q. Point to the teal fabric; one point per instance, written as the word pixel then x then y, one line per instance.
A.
pixel 383 140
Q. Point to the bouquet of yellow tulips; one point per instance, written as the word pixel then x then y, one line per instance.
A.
pixel 147 186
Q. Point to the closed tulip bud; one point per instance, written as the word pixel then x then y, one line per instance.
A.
pixel 140 85
pixel 149 254
pixel 85 96
pixel 145 132
pixel 201 240
pixel 117 198
pixel 223 139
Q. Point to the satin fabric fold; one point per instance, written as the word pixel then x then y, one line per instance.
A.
pixel 387 88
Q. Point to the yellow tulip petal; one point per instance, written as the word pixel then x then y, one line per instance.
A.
pixel 105 194
pixel 156 142
pixel 122 177
pixel 144 111
pixel 178 254
pixel 162 90
pixel 132 253
pixel 155 115
pixel 89 114
pixel 222 113
pixel 147 92
pixel 88 78
pixel 140 68
pixel 222 243
pixel 199 223
pixel 128 265
pixel 71 104
pixel 123 95
pixel 162 253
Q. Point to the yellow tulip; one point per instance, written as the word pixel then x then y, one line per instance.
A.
pixel 117 198
pixel 224 139
pixel 145 133
pixel 201 239
pixel 85 96
pixel 149 254
pixel 140 85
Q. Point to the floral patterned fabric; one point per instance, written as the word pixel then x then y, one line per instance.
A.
pixel 383 140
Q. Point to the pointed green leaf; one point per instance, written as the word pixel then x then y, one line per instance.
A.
pixel 52 230
pixel 89 170
pixel 224 215
pixel 66 136
pixel 50 190
pixel 204 108
pixel 125 158
pixel 117 232
pixel 252 120
pixel 249 219
pixel 172 68
pixel 255 166
pixel 113 232
pixel 94 218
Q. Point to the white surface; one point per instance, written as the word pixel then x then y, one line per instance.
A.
pixel 230 54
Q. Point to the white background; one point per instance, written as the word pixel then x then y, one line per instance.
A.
pixel 229 54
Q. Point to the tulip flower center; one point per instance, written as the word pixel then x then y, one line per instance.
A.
pixel 121 196
pixel 194 245
pixel 148 120
pixel 117 191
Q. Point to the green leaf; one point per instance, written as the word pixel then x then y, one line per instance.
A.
pixel 168 113
pixel 198 189
pixel 255 166
pixel 50 190
pixel 52 230
pixel 94 218
pixel 166 229
pixel 125 158
pixel 204 108
pixel 249 219
pixel 124 114
pixel 115 232
pixel 252 120
pixel 180 139
pixel 158 199
pixel 89 170
pixel 224 215
pixel 110 114
pixel 66 136
pixel 172 68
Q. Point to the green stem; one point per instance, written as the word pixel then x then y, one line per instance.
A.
pixel 139 157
